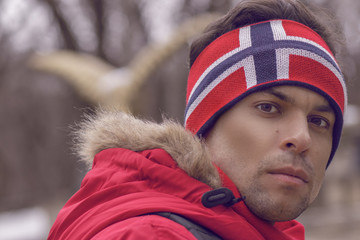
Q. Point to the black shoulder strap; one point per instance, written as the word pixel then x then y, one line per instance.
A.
pixel 198 231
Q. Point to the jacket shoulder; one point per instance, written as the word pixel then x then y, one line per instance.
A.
pixel 145 227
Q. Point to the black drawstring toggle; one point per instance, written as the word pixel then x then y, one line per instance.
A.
pixel 220 196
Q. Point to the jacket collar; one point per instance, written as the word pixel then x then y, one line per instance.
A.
pixel 105 130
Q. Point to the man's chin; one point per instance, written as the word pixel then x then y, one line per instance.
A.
pixel 273 217
pixel 276 211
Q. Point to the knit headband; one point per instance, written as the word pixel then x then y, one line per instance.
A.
pixel 258 56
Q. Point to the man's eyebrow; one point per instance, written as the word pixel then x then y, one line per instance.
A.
pixel 326 108
pixel 280 95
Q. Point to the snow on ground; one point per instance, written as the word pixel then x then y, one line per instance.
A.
pixel 25 224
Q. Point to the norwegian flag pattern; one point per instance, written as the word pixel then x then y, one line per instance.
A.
pixel 258 55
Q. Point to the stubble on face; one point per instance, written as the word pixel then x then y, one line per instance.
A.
pixel 272 203
pixel 265 145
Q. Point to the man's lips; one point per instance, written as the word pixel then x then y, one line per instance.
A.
pixel 292 172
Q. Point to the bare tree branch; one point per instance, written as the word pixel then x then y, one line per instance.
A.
pixel 66 32
pixel 99 12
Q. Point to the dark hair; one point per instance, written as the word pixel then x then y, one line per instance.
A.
pixel 253 11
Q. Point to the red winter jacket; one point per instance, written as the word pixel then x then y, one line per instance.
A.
pixel 123 185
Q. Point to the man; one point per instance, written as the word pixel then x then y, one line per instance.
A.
pixel 264 116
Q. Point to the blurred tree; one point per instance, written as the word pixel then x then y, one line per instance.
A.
pixel 37 108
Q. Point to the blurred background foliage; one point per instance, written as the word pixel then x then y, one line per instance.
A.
pixel 61 58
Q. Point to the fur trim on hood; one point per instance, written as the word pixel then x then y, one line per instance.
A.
pixel 119 130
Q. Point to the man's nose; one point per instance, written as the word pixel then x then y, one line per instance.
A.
pixel 296 135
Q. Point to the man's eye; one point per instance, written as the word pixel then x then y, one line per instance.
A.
pixel 267 107
pixel 319 121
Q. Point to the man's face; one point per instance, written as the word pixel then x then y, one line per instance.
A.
pixel 275 145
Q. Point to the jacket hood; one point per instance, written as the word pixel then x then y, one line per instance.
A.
pixel 107 129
